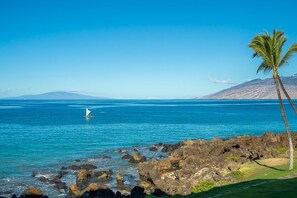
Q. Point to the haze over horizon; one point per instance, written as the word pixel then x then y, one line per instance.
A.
pixel 135 49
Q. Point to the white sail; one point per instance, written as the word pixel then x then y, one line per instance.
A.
pixel 87 112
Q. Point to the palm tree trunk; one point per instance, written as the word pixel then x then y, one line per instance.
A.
pixel 287 95
pixel 286 123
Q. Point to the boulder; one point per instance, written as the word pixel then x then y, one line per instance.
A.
pixel 88 192
pixel 127 157
pixel 74 191
pixel 137 157
pixel 171 147
pixel 72 167
pixel 61 185
pixel 104 178
pixel 33 192
pixel 93 187
pixel 62 173
pixel 137 192
pixel 79 167
pixel 153 148
pixel 100 193
pixel 147 186
pixel 88 166
pixel 83 177
pixel 44 179
pixel 120 179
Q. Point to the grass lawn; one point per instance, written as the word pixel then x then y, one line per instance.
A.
pixel 261 179
pixel 256 188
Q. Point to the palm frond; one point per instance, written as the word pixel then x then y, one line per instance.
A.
pixel 255 55
pixel 269 48
pixel 289 53
pixel 264 67
pixel 277 35
pixel 278 50
pixel 260 45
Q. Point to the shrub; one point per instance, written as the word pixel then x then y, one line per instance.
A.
pixel 237 174
pixel 282 150
pixel 204 185
pixel 233 158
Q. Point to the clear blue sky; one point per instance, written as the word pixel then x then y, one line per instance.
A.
pixel 135 49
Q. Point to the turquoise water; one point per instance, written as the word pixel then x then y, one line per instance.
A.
pixel 40 134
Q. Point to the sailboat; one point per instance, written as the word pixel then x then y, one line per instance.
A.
pixel 88 114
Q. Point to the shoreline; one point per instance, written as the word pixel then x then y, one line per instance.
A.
pixel 184 158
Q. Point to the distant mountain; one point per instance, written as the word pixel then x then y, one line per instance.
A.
pixel 257 89
pixel 55 96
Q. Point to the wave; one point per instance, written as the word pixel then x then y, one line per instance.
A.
pixel 11 107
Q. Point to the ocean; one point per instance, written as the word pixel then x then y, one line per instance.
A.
pixel 43 135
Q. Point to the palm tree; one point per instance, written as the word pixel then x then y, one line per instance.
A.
pixel 269 48
pixel 287 95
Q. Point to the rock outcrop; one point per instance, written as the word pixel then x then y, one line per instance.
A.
pixel 137 157
pixel 83 166
pixel 215 160
pixel 83 177
pixel 96 191
pixel 32 192
pixel 188 163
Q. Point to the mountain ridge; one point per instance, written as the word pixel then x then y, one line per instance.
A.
pixel 58 95
pixel 257 89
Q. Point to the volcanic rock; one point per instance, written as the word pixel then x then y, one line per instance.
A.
pixel 74 191
pixel 83 177
pixel 83 166
pixel 120 179
pixel 153 148
pixel 214 160
pixel 127 157
pixel 32 192
pixel 137 192
pixel 137 157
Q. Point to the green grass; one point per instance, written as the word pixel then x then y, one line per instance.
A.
pixel 260 180
pixel 257 180
pixel 261 171
pixel 256 188
pixel 203 186
pixel 237 174
pixel 282 150
pixel 233 158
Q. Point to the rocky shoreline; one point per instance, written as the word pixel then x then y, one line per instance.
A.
pixel 175 170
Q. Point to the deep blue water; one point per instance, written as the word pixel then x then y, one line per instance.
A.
pixel 40 134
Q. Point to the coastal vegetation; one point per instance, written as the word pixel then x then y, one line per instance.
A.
pixel 234 158
pixel 237 174
pixel 202 186
pixel 282 150
pixel 269 48
pixel 267 178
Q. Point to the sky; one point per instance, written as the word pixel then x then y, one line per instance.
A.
pixel 135 49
